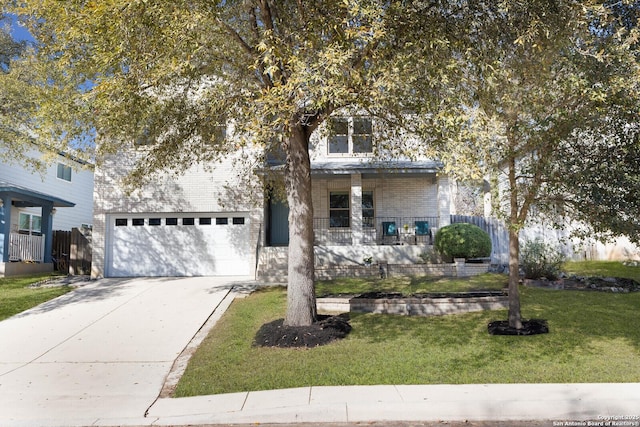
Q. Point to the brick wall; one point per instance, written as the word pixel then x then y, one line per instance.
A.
pixel 221 188
pixel 413 196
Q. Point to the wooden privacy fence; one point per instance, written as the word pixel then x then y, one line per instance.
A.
pixel 496 230
pixel 561 239
pixel 72 251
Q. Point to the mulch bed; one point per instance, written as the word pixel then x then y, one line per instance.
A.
pixel 327 329
pixel 529 327
pixel 600 284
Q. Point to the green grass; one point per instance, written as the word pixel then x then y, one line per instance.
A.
pixel 603 269
pixel 593 338
pixel 410 285
pixel 16 296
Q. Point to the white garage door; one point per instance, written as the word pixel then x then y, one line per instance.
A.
pixel 178 245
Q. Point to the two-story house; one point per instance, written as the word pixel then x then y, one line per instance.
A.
pixel 209 222
pixel 34 203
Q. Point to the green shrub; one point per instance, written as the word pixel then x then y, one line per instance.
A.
pixel 463 240
pixel 539 259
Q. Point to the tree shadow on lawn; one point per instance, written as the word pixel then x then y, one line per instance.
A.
pixel 575 320
pixel 584 326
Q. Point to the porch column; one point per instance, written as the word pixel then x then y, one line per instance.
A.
pixel 444 201
pixel 356 209
pixel 47 231
pixel 5 227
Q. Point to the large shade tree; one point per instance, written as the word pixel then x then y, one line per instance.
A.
pixel 12 105
pixel 171 72
pixel 31 106
pixel 602 161
pixel 548 76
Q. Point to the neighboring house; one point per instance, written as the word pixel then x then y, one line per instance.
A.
pixel 201 223
pixel 33 204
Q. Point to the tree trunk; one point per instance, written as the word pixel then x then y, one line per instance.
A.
pixel 515 318
pixel 301 297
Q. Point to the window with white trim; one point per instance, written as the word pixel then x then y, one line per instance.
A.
pixel 30 224
pixel 350 135
pixel 64 172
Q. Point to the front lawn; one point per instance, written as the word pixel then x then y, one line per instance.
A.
pixel 16 296
pixel 411 285
pixel 593 338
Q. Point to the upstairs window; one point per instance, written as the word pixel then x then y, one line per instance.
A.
pixel 64 172
pixel 219 133
pixel 339 138
pixel 362 138
pixel 350 135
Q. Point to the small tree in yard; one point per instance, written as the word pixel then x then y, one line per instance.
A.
pixel 171 71
pixel 546 74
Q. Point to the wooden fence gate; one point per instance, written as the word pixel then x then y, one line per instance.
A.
pixel 72 251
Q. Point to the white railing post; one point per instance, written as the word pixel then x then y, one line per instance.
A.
pixel 23 247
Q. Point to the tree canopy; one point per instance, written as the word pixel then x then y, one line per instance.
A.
pixel 495 88
pixel 38 103
pixel 173 71
pixel 553 81
pixel 169 73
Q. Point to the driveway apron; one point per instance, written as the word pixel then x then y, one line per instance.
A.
pixel 101 351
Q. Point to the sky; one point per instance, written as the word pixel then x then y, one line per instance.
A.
pixel 18 32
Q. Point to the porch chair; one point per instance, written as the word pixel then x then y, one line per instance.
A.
pixel 423 232
pixel 390 234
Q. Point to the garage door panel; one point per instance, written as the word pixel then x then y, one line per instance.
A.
pixel 180 250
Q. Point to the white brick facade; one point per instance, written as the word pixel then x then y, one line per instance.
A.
pixel 398 196
pixel 401 192
pixel 211 190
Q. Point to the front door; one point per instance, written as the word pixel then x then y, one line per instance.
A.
pixel 278 223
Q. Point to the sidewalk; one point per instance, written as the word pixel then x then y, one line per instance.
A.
pixel 363 404
pixel 100 355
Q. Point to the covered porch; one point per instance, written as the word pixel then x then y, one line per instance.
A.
pixel 26 249
pixel 377 231
pixel 359 203
pixel 367 215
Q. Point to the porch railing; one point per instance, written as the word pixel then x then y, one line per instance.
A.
pixel 23 247
pixel 372 231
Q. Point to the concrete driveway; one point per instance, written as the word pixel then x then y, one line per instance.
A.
pixel 99 356
pixel 103 350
